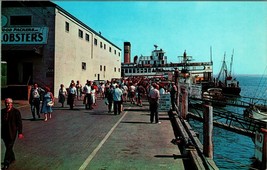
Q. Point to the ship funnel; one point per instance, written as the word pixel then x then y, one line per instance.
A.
pixel 127 52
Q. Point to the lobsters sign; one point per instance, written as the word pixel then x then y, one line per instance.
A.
pixel 24 35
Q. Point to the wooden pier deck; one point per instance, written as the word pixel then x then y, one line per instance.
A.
pixel 95 139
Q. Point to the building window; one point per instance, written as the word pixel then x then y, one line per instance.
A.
pixel 101 45
pixel 87 37
pixel 100 67
pixel 104 68
pixel 104 46
pixel 20 20
pixel 114 69
pixel 80 33
pixel 95 41
pixel 115 51
pixel 83 66
pixel 67 26
pixel 119 53
pixel 109 49
pixel 119 70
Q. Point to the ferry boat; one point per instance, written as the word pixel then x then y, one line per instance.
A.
pixel 156 66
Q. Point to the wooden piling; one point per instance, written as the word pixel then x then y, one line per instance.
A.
pixel 184 110
pixel 207 131
pixel 176 81
pixel 264 149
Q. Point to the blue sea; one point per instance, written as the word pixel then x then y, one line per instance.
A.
pixel 231 150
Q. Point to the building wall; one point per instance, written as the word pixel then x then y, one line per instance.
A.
pixel 71 51
pixel 60 59
pixel 19 53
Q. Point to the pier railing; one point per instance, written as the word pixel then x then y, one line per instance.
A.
pixel 227 120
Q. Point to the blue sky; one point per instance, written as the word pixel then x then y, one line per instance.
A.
pixel 176 26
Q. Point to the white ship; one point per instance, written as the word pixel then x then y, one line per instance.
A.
pixel 156 66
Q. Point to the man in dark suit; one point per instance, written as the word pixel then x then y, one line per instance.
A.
pixel 11 125
pixel 35 97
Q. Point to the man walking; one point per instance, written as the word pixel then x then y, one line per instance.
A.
pixel 88 101
pixel 35 97
pixel 11 125
pixel 117 98
pixel 154 103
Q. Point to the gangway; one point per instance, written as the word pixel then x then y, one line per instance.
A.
pixel 227 120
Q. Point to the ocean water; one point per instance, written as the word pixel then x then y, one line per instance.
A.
pixel 232 150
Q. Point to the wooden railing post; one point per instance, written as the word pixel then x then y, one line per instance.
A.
pixel 177 84
pixel 184 107
pixel 207 131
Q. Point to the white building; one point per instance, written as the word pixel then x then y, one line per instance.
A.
pixel 42 43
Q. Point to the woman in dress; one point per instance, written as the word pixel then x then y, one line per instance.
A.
pixel 93 93
pixel 46 107
pixel 62 93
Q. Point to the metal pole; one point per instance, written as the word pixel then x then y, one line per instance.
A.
pixel 207 131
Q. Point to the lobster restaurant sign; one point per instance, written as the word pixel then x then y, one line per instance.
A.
pixel 24 35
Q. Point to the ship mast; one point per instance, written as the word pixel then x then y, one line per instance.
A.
pixel 223 68
pixel 211 54
pixel 231 64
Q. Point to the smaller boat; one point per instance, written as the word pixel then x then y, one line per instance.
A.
pixel 215 95
pixel 258 112
pixel 229 85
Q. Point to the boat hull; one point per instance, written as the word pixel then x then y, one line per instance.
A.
pixel 231 90
pixel 225 90
pixel 256 114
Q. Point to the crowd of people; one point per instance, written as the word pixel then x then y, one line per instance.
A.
pixel 114 93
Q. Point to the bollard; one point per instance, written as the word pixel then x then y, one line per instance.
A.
pixel 207 131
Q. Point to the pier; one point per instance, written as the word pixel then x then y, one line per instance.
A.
pixel 95 139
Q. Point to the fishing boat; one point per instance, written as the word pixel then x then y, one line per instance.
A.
pixel 225 81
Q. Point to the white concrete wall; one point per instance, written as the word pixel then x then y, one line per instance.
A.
pixel 71 51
